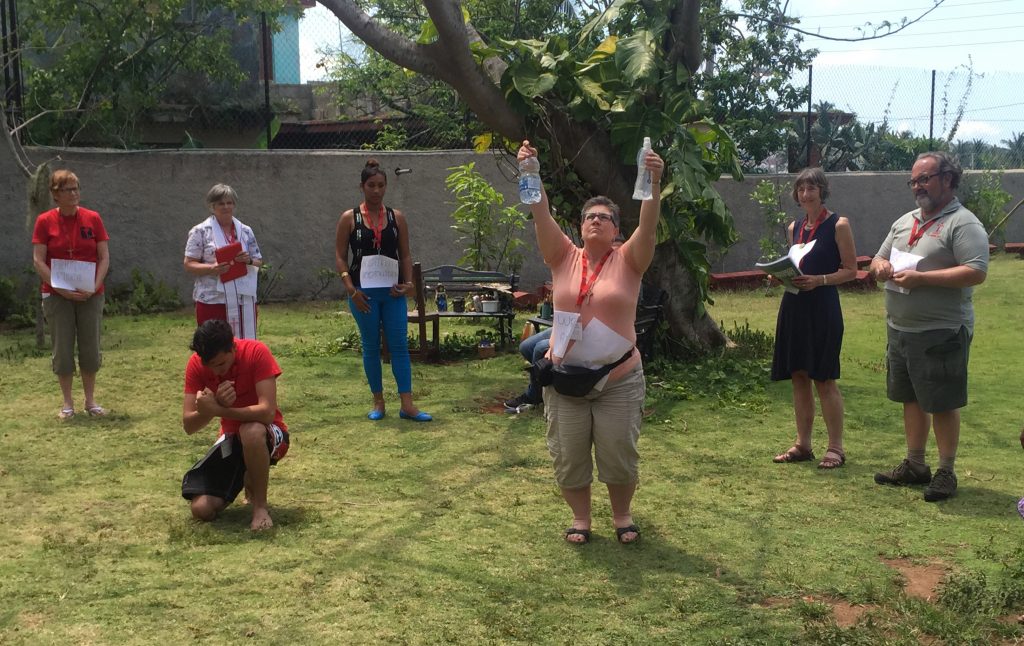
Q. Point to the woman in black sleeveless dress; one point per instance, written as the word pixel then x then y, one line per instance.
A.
pixel 809 332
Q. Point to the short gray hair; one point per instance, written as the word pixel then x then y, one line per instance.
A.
pixel 947 164
pixel 218 192
pixel 603 201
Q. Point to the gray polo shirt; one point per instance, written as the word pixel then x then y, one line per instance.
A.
pixel 957 238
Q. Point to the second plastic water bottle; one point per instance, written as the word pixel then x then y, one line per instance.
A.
pixel 642 189
pixel 529 181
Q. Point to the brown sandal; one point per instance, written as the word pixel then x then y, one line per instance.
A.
pixel 833 459
pixel 795 453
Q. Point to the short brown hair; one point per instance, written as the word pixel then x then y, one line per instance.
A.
pixel 813 176
pixel 601 200
pixel 62 177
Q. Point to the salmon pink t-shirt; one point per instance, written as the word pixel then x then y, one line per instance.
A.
pixel 612 298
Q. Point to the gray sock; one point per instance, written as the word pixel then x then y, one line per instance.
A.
pixel 947 463
pixel 916 457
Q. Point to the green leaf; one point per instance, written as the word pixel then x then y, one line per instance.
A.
pixel 531 83
pixel 636 56
pixel 602 20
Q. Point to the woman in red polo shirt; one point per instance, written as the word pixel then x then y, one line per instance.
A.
pixel 69 252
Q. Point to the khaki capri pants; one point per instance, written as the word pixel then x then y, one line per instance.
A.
pixel 70 321
pixel 607 420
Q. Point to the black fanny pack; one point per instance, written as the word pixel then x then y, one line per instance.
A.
pixel 573 381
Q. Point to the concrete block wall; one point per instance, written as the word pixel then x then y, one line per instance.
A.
pixel 150 199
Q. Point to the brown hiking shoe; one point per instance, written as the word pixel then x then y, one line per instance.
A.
pixel 905 473
pixel 942 486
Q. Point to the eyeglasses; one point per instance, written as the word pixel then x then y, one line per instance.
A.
pixel 922 180
pixel 70 189
pixel 603 217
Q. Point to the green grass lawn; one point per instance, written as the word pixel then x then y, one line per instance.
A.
pixel 450 532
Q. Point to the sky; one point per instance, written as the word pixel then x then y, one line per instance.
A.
pixel 887 77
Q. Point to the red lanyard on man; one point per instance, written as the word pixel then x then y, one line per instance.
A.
pixel 378 228
pixel 916 234
pixel 587 286
pixel 814 229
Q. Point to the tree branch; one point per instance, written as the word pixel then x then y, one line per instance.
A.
pixel 687 46
pixel 449 59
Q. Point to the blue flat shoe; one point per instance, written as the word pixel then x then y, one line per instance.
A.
pixel 375 415
pixel 418 417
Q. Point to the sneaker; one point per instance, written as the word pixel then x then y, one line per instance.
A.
pixel 519 404
pixel 905 473
pixel 942 486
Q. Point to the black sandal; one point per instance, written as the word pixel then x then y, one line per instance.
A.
pixel 573 531
pixel 795 453
pixel 619 531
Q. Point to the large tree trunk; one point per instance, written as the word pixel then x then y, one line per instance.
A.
pixel 694 333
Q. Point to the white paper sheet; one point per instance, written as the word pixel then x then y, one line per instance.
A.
pixel 378 271
pixel 566 327
pixel 77 275
pixel 599 346
pixel 901 261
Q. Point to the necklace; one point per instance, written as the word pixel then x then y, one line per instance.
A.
pixel 69 234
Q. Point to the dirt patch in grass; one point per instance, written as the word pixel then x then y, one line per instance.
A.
pixel 846 614
pixel 920 581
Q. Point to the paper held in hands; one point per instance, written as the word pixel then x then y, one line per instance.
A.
pixel 901 261
pixel 786 268
pixel 73 275
pixel 228 253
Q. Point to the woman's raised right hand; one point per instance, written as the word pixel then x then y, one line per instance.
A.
pixel 526 151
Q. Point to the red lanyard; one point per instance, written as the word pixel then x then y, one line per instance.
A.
pixel 588 286
pixel 72 239
pixel 814 229
pixel 378 229
pixel 916 235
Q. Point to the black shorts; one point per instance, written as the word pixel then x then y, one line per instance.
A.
pixel 221 472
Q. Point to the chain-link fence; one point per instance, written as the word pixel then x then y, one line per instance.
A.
pixel 879 118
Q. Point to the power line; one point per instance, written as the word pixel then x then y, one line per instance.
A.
pixel 959 18
pixel 938 46
pixel 971 3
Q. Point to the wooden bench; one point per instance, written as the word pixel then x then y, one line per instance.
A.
pixel 429 348
pixel 457 280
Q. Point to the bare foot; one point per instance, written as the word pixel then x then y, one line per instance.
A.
pixel 260 520
pixel 247 497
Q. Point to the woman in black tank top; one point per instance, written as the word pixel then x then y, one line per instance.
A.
pixel 372 245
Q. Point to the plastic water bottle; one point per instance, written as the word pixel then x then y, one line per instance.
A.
pixel 529 181
pixel 642 189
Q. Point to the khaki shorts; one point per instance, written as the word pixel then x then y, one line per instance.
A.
pixel 605 421
pixel 70 322
pixel 929 368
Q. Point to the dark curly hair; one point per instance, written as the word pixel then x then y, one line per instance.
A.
pixel 212 338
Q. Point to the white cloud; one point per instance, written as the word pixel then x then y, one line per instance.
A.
pixel 978 130
pixel 855 57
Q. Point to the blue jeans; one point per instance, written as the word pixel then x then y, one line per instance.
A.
pixel 532 349
pixel 391 313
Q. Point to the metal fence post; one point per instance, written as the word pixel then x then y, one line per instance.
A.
pixel 810 93
pixel 931 117
pixel 267 71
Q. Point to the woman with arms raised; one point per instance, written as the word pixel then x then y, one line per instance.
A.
pixel 595 292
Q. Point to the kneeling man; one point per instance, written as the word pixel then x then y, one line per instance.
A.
pixel 235 380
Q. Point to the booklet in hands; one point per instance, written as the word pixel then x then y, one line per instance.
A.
pixel 786 268
pixel 228 253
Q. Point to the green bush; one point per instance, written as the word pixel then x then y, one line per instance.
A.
pixel 18 301
pixel 143 295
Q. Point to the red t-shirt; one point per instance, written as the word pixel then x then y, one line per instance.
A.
pixel 71 237
pixel 253 363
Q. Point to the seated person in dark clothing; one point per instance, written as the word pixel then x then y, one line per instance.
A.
pixel 532 349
